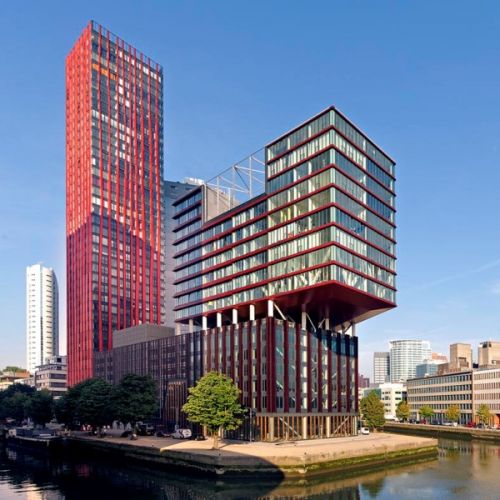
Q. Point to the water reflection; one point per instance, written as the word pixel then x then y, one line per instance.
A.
pixel 463 470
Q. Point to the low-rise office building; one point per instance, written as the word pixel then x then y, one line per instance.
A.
pixel 440 392
pixel 486 391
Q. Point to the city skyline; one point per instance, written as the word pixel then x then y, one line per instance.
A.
pixel 439 288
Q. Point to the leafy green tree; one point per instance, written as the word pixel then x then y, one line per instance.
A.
pixel 15 406
pixel 372 410
pixel 40 407
pixel 403 411
pixel 13 401
pixel 135 399
pixel 483 413
pixel 426 411
pixel 95 405
pixel 214 403
pixel 452 413
pixel 13 369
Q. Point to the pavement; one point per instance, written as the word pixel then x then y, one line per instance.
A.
pixel 321 449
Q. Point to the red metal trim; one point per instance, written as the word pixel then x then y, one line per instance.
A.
pixel 309 371
pixel 319 372
pixel 259 366
pixel 339 373
pixel 348 373
pixel 298 388
pixel 285 367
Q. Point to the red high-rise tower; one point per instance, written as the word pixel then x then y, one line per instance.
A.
pixel 114 172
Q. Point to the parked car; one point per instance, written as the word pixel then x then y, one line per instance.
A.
pixel 182 434
pixel 144 429
pixel 364 430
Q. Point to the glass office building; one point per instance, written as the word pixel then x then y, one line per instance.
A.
pixel 278 283
pixel 114 175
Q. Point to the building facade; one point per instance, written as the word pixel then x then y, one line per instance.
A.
pixel 405 355
pixel 460 357
pixel 42 315
pixel 486 391
pixel 52 376
pixel 114 180
pixel 381 367
pixel 428 368
pixel 391 395
pixel 278 283
pixel 440 392
pixel 172 191
pixel 488 354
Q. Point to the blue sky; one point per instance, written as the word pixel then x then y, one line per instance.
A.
pixel 421 78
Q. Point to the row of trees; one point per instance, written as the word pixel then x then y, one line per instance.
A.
pixel 19 402
pixel 452 413
pixel 97 403
pixel 372 410
pixel 92 402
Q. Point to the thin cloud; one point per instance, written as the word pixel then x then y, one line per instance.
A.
pixel 447 279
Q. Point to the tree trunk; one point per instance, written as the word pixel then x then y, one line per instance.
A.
pixel 215 445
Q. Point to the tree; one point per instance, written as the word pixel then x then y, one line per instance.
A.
pixel 13 369
pixel 95 404
pixel 135 399
pixel 403 411
pixel 214 403
pixel 483 413
pixel 373 411
pixel 453 413
pixel 40 407
pixel 66 407
pixel 13 401
pixel 426 411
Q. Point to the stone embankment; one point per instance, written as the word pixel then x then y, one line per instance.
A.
pixel 437 431
pixel 287 459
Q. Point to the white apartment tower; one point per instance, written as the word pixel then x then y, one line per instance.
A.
pixel 42 315
pixel 405 356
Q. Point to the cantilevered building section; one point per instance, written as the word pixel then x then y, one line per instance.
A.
pixel 279 282
pixel 114 172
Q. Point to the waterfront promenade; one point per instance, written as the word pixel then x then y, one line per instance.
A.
pixel 292 458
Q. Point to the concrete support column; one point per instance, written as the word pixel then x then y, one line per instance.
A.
pixel 191 326
pixel 271 427
pixel 204 323
pixel 304 427
pixel 235 316
pixel 252 312
pixel 270 308
pixel 303 320
pixel 328 426
pixel 353 329
pixel 327 318
pixel 219 320
pixel 177 328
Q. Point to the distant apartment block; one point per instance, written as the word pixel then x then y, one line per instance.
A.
pixel 364 382
pixel 405 355
pixel 381 367
pixel 42 315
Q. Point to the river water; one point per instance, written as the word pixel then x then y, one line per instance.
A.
pixel 466 470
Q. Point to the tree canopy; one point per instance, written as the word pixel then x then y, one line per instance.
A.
pixel 403 411
pixel 373 411
pixel 426 411
pixel 95 404
pixel 453 413
pixel 14 401
pixel 40 407
pixel 214 403
pixel 483 413
pixel 135 399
